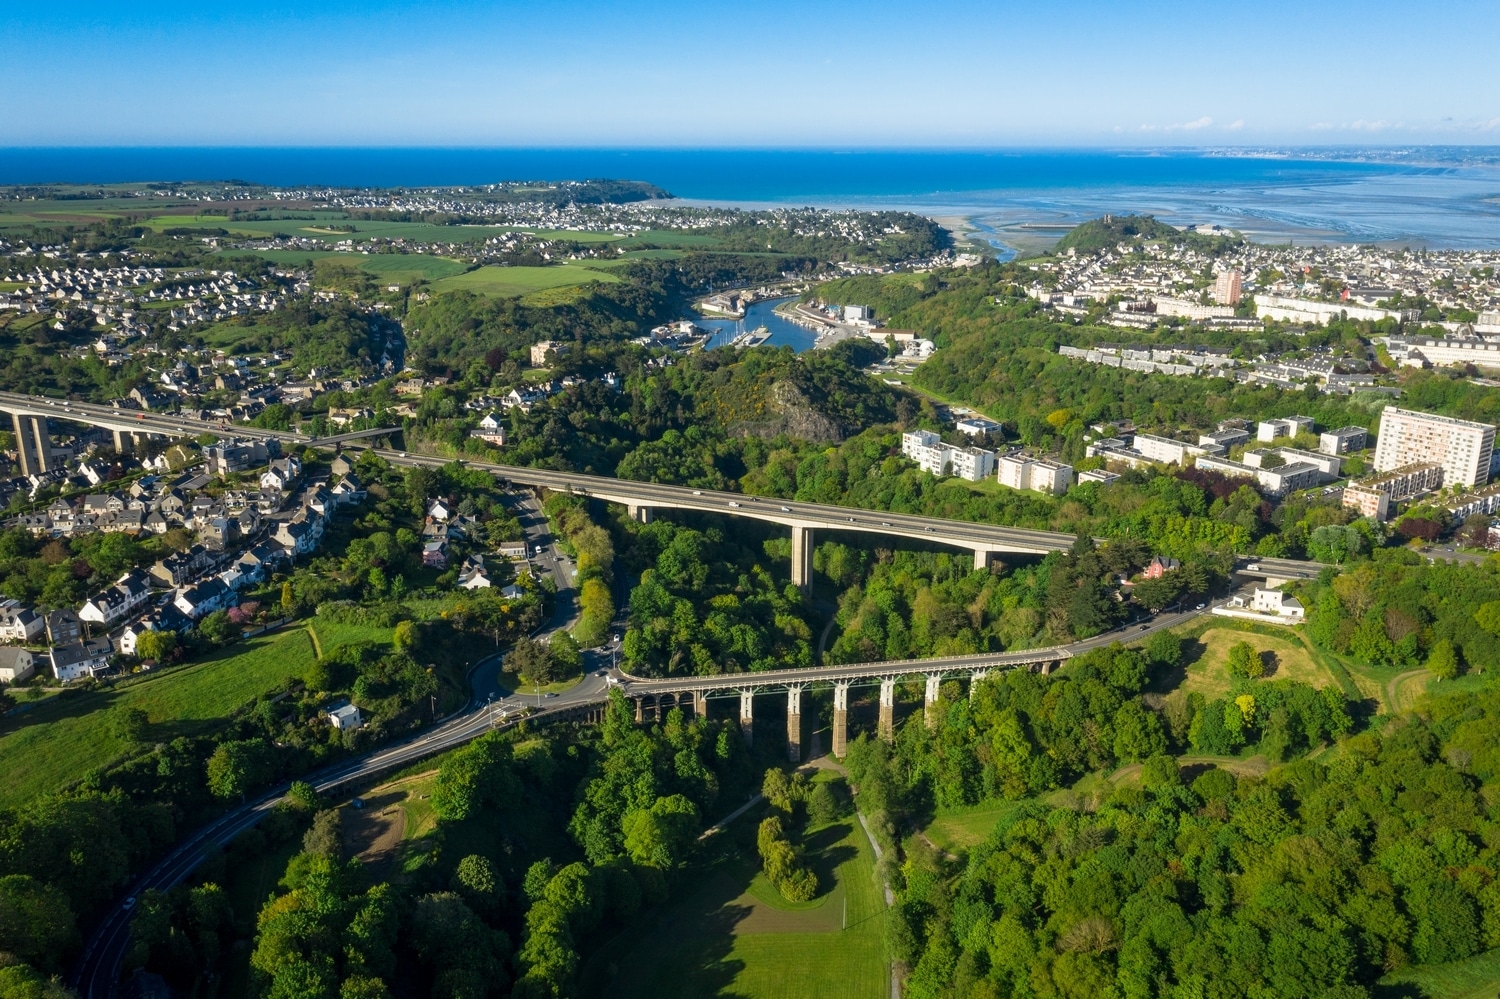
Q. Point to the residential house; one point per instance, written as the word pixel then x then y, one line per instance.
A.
pixel 1160 565
pixel 19 623
pixel 1278 603
pixel 204 598
pixel 77 659
pixel 435 554
pixel 179 567
pixel 282 474
pixel 16 665
pixel 130 592
pixel 167 618
pixel 63 627
pixel 345 717
pixel 472 575
pixel 438 510
pixel 513 549
pixel 349 490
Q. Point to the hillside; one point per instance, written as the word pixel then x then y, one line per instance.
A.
pixel 1103 233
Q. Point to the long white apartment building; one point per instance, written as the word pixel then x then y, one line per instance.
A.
pixel 1462 447
pixel 1021 471
pixel 1276 481
pixel 927 449
pixel 1330 466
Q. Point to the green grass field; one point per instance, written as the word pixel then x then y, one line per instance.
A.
pixel 405 268
pixel 1476 978
pixel 732 937
pixel 331 634
pixel 960 829
pixel 65 737
pixel 505 282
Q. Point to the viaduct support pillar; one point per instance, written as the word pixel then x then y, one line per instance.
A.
pixel 982 559
pixel 930 708
pixel 33 447
pixel 640 713
pixel 974 680
pixel 641 514
pixel 887 727
pixel 700 704
pixel 124 442
pixel 747 716
pixel 840 717
pixel 794 724
pixel 802 558
pixel 1046 668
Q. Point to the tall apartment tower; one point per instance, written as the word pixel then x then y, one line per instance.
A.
pixel 1462 447
pixel 1227 287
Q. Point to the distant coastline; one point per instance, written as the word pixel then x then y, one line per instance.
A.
pixel 1418 196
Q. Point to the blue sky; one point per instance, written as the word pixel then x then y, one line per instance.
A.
pixel 807 73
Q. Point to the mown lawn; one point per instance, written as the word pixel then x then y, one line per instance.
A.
pixel 67 736
pixel 504 282
pixel 723 938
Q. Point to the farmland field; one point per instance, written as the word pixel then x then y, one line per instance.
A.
pixel 408 267
pixel 65 737
pixel 504 282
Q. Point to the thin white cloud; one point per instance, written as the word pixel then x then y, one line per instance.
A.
pixel 1235 125
pixel 1191 126
pixel 1181 126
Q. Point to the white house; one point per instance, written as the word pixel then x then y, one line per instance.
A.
pixel 205 598
pixel 345 717
pixel 1276 602
pixel 19 623
pixel 69 662
pixel 439 510
pixel 472 575
pixel 16 665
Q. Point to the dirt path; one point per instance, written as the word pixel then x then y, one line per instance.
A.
pixel 1393 689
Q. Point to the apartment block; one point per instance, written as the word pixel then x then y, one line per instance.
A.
pixel 1102 476
pixel 1374 496
pixel 1330 466
pixel 1290 426
pixel 1225 439
pixel 1227 287
pixel 1169 451
pixel 932 455
pixel 1019 471
pixel 1463 448
pixel 1343 440
pixel 1276 481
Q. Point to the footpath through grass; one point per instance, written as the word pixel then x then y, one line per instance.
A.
pixel 734 935
pixel 65 737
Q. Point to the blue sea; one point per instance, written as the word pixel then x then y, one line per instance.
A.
pixel 1450 198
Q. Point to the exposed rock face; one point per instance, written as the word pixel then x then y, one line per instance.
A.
pixel 792 413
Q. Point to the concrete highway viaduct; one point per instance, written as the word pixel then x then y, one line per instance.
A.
pixel 30 416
